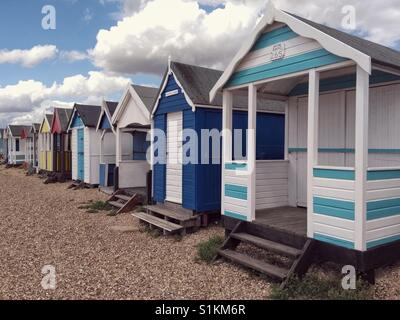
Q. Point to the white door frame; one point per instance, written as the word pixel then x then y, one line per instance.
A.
pixel 174 168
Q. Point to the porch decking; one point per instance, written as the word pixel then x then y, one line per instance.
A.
pixel 289 219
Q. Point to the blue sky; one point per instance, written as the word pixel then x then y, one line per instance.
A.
pixel 120 41
pixel 78 23
pixel 20 27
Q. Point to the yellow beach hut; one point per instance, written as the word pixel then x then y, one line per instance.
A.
pixel 46 144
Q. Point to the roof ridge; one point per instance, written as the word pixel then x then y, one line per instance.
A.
pixel 341 31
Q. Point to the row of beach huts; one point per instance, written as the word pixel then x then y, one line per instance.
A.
pixel 316 114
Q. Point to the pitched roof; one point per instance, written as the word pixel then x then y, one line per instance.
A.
pixel 377 52
pixel 147 94
pixel 16 130
pixel 197 83
pixel 89 114
pixel 36 126
pixel 49 117
pixel 64 115
pixel 112 106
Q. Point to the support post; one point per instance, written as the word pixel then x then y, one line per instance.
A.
pixel 361 157
pixel 312 145
pixel 251 150
pixel 118 147
pixel 287 130
pixel 227 106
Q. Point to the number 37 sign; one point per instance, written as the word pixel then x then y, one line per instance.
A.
pixel 278 51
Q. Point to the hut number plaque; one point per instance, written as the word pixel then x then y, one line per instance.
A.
pixel 278 51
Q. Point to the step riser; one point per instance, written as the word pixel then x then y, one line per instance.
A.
pixel 177 207
pixel 279 276
pixel 185 224
pixel 269 233
pixel 286 252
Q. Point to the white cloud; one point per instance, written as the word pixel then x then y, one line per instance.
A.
pixel 376 20
pixel 27 99
pixel 143 41
pixel 151 30
pixel 30 57
pixel 73 55
pixel 36 115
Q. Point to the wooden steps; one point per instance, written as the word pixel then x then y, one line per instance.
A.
pixel 258 265
pixel 170 218
pixel 295 260
pixel 123 197
pixel 76 185
pixel 272 246
pixel 116 204
pixel 164 211
pixel 160 223
pixel 123 202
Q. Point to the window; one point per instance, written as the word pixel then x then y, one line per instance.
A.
pixel 140 145
pixel 16 145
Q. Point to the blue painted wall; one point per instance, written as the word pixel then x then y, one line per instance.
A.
pixel 159 170
pixel 208 182
pixel 173 103
pixel 81 152
pixel 270 135
pixel 189 174
pixel 287 65
pixel 77 121
pixel 140 145
pixel 102 175
pixel 104 123
pixel 202 182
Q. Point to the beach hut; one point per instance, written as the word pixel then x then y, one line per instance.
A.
pixel 85 144
pixel 335 194
pixel 46 144
pixel 107 146
pixel 131 121
pixel 31 135
pixel 16 145
pixel 187 192
pixel 3 150
pixel 61 142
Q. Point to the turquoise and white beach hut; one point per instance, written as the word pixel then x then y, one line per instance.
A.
pixel 336 193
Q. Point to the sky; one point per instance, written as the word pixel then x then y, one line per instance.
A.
pixel 99 46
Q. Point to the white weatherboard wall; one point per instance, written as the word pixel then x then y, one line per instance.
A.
pixel 334 206
pixel 133 174
pixel 235 202
pixel 174 160
pixel 336 152
pixel 271 184
pixel 74 148
pixel 294 46
pixel 92 155
pixel 383 207
pixel 336 134
pixel 108 142
pixel 16 157
pixel 126 146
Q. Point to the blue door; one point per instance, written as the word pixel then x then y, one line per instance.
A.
pixel 81 148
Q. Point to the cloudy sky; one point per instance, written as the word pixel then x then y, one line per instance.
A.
pixel 99 46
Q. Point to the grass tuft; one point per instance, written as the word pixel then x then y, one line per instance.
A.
pixel 312 287
pixel 96 206
pixel 207 250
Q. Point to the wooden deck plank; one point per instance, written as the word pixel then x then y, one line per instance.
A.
pixel 276 247
pixel 258 265
pixel 171 213
pixel 163 224
pixel 289 219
